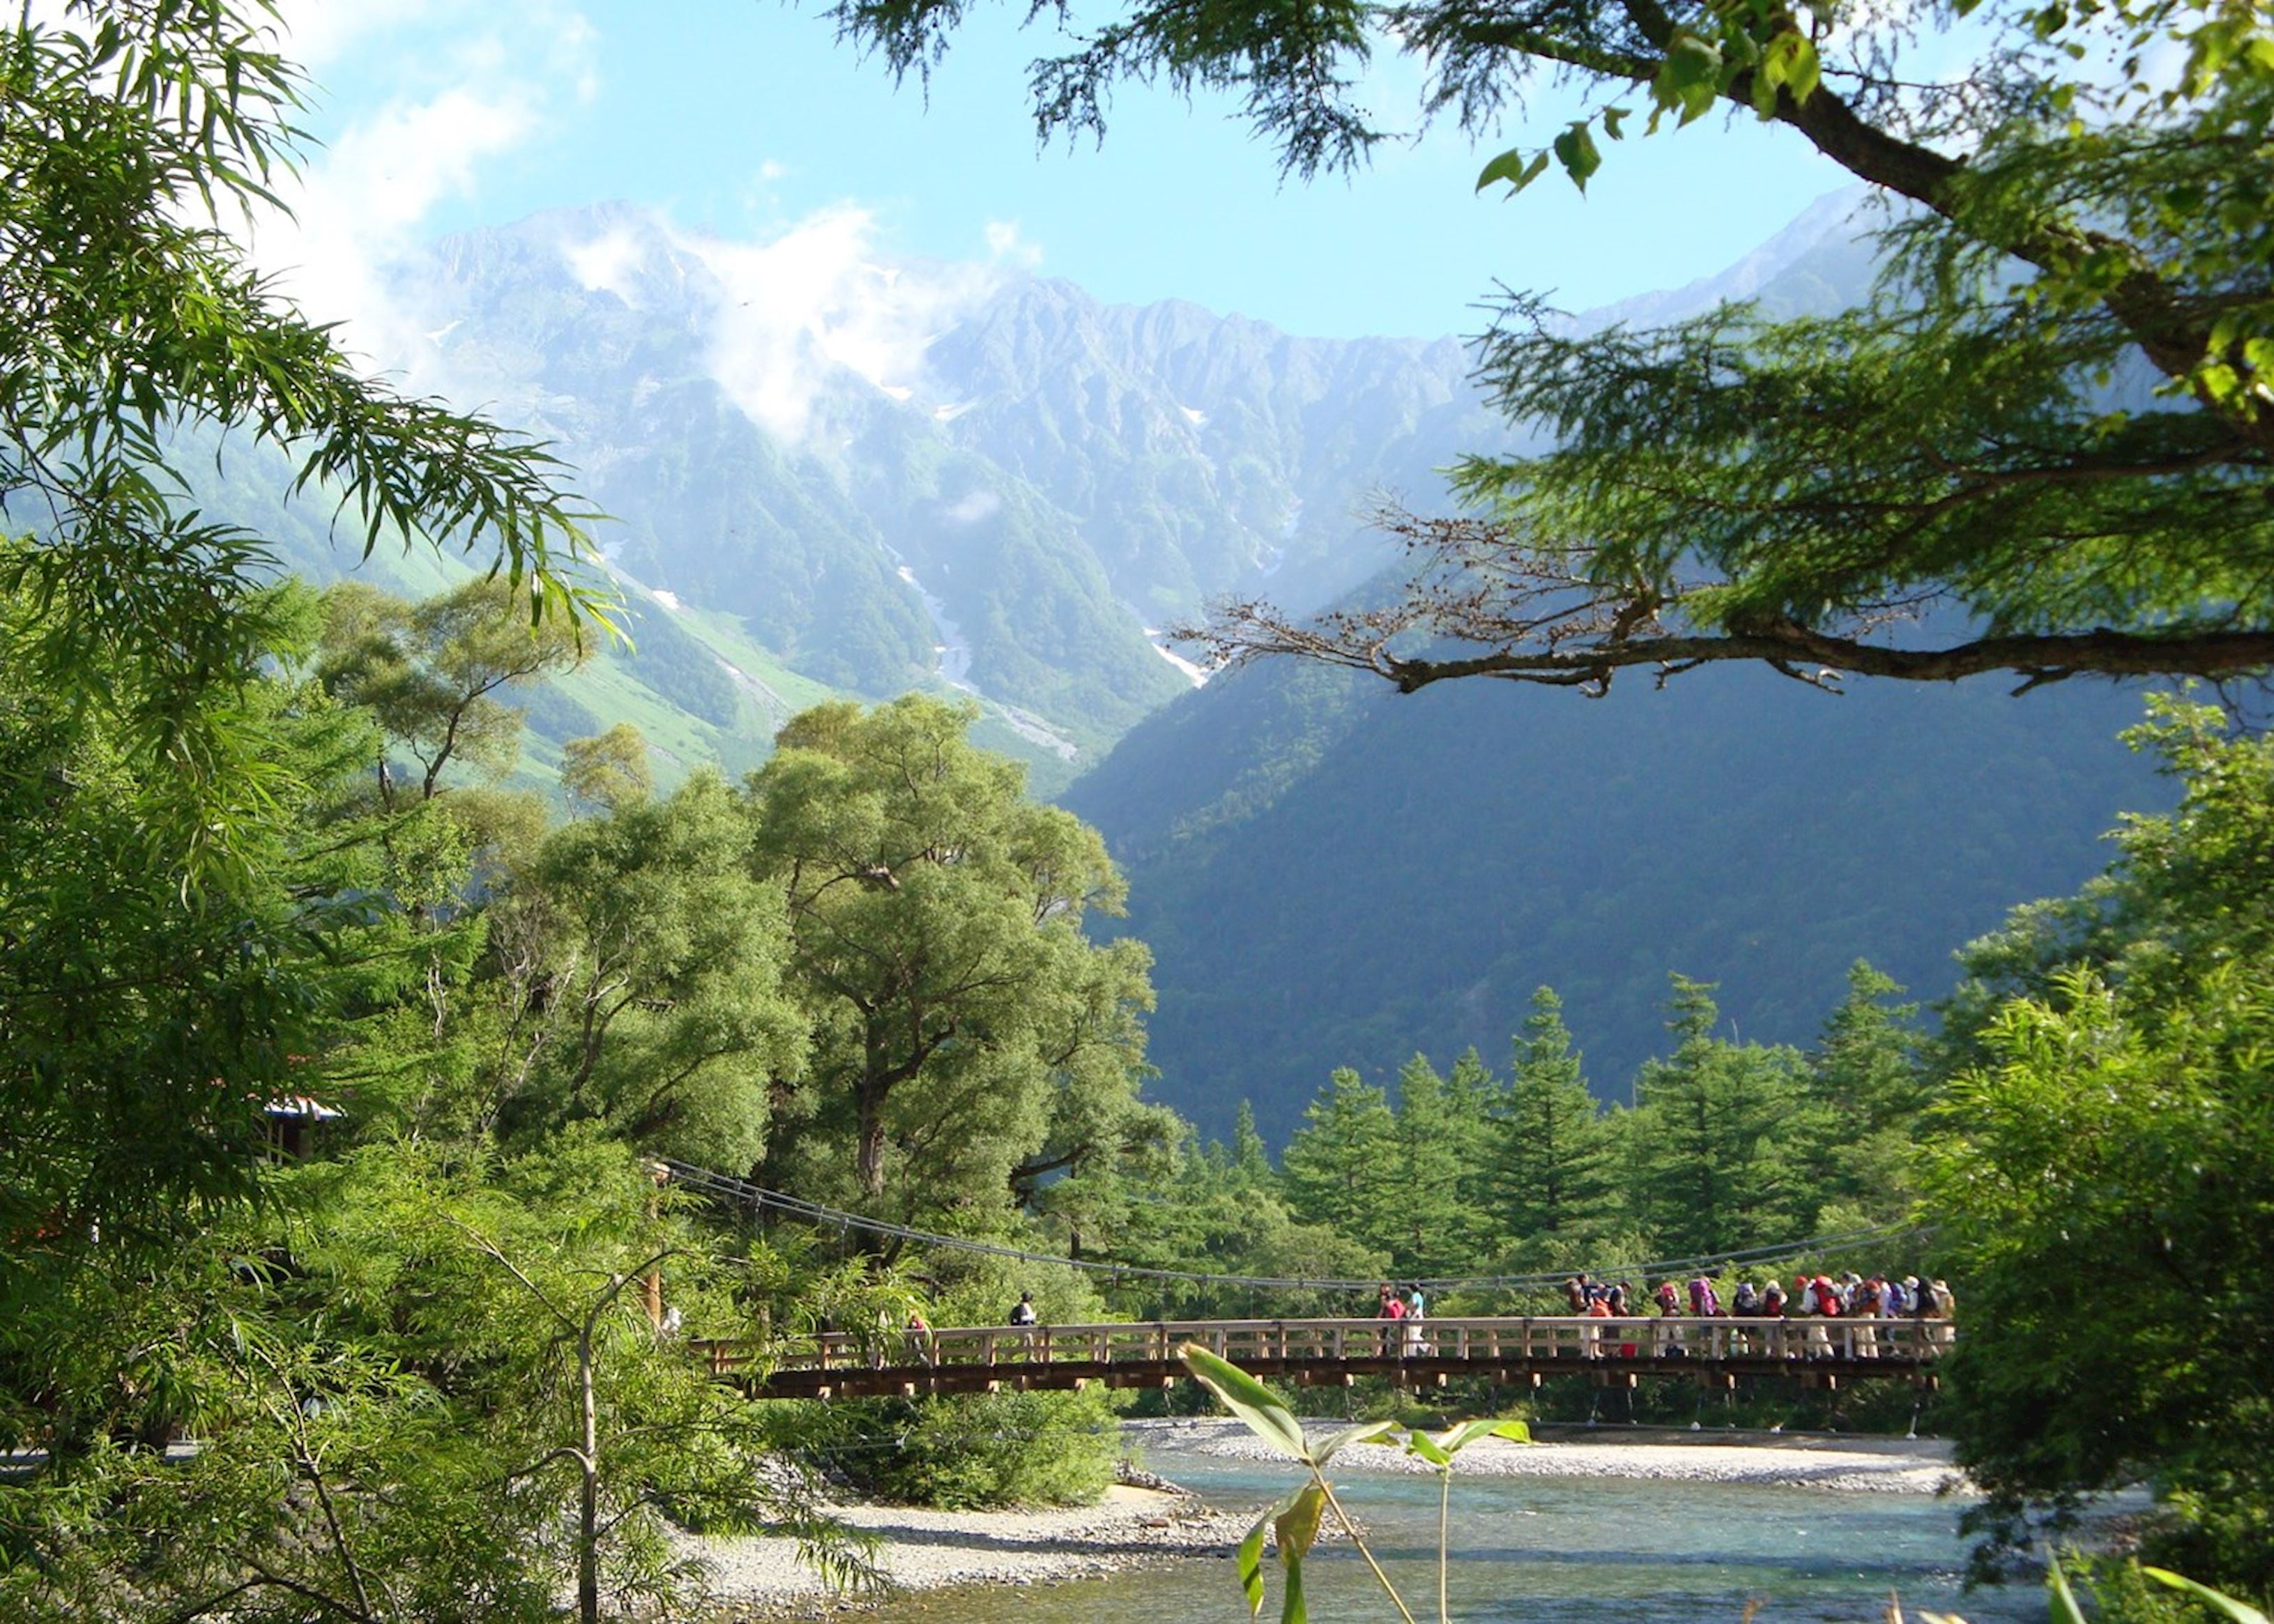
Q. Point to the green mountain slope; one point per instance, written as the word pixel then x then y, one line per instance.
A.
pixel 1330 873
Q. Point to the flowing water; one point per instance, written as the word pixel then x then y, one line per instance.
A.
pixel 1554 1550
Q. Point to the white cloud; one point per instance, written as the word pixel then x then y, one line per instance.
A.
pixel 1006 243
pixel 977 506
pixel 474 85
pixel 814 299
pixel 608 263
pixel 359 208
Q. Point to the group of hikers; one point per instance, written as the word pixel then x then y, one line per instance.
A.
pixel 1868 1301
pixel 1850 1295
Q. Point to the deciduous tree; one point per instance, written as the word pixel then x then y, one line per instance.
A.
pixel 966 1035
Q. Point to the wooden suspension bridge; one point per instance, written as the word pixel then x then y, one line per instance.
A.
pixel 1419 1354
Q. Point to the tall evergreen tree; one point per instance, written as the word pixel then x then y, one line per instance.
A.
pixel 1472 1103
pixel 1866 1064
pixel 1250 1158
pixel 1551 1172
pixel 1342 1166
pixel 1868 1089
pixel 1716 1169
pixel 1434 1228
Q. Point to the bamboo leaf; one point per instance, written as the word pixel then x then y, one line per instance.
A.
pixel 1250 1556
pixel 1264 1412
pixel 2240 1611
pixel 1371 1432
pixel 1296 1528
pixel 1428 1448
pixel 1457 1438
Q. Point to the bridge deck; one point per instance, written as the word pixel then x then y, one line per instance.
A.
pixel 1308 1352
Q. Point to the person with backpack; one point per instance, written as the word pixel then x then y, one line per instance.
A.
pixel 1817 1302
pixel 1864 1308
pixel 1667 1336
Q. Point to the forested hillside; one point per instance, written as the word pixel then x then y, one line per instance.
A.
pixel 1331 875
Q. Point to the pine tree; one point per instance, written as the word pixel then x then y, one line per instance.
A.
pixel 1433 1221
pixel 1551 1173
pixel 1342 1166
pixel 1716 1152
pixel 1250 1159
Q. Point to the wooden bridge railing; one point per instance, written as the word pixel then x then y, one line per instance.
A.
pixel 1299 1347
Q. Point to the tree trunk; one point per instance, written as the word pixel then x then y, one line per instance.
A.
pixel 869 1107
pixel 587 1508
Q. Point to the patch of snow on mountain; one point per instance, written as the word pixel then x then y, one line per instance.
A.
pixel 1197 675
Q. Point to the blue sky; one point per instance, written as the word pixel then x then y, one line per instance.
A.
pixel 745 121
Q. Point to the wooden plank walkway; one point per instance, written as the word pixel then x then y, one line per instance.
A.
pixel 1311 1352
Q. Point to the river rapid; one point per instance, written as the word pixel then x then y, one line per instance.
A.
pixel 1548 1550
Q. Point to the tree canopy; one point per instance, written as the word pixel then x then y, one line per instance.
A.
pixel 131 137
pixel 967 1037
pixel 2104 1165
pixel 2041 448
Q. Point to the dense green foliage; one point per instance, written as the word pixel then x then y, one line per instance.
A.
pixel 334 1072
pixel 1727 1147
pixel 2105 1169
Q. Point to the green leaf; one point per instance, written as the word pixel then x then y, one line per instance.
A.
pixel 1371 1432
pixel 1575 150
pixel 1690 77
pixel 1457 1439
pixel 1804 71
pixel 1250 1556
pixel 1512 167
pixel 1266 1415
pixel 1508 167
pixel 1296 1528
pixel 2063 1605
pixel 2240 1611
pixel 1422 1444
pixel 1613 117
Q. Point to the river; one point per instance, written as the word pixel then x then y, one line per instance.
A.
pixel 1552 1551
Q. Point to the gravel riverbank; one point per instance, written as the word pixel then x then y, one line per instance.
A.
pixel 762 1579
pixel 1815 1461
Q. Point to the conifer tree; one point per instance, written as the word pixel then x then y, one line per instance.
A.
pixel 1432 1223
pixel 1551 1167
pixel 1708 1133
pixel 1250 1158
pixel 1342 1166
